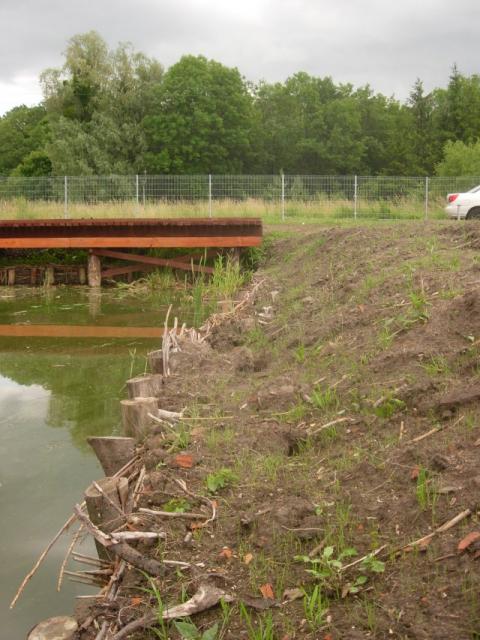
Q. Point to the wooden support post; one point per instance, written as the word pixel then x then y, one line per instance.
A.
pixel 94 271
pixel 49 276
pixel 112 452
pixel 102 512
pixel 135 416
pixel 235 255
pixel 148 386
pixel 11 277
pixel 82 275
pixel 33 275
pixel 155 361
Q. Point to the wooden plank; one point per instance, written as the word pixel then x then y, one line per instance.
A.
pixel 120 271
pixel 180 242
pixel 158 262
pixel 77 331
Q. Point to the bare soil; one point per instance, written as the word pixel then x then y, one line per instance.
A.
pixel 360 341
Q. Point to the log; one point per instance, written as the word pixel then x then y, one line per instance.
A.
pixel 58 628
pixel 94 271
pixel 155 361
pixel 112 452
pixel 102 512
pixel 135 418
pixel 147 386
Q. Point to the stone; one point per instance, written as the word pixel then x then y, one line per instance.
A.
pixel 58 628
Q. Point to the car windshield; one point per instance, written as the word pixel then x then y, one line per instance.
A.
pixel 474 190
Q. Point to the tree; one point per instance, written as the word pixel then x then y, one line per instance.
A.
pixel 460 159
pixel 96 104
pixel 23 130
pixel 202 120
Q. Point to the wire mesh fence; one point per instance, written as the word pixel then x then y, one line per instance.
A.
pixel 273 197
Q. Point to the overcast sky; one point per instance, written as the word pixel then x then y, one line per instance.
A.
pixel 379 42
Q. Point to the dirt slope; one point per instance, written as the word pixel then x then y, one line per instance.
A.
pixel 314 400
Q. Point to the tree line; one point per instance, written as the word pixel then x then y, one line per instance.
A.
pixel 120 112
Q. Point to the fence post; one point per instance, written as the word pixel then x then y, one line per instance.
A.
pixel 136 193
pixel 355 196
pixel 283 197
pixel 426 198
pixel 209 195
pixel 65 197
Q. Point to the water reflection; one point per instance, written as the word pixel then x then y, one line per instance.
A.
pixel 64 359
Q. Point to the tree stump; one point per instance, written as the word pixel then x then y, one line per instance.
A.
pixel 101 511
pixel 135 419
pixel 112 452
pixel 148 386
pixel 155 361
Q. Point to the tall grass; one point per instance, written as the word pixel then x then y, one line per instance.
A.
pixel 318 210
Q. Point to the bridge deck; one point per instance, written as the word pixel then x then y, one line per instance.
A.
pixel 97 233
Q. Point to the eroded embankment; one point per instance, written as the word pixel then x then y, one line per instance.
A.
pixel 334 419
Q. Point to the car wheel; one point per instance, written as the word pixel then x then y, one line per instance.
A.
pixel 474 214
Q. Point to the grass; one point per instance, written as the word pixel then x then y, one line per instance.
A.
pixel 318 210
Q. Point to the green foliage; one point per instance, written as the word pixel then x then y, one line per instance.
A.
pixel 220 479
pixel 189 631
pixel 388 407
pixel 315 608
pixel 176 505
pixel 325 399
pixel 262 630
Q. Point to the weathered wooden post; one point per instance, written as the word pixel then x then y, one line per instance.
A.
pixel 49 276
pixel 11 277
pixel 155 361
pixel 104 509
pixel 58 628
pixel 112 452
pixel 82 275
pixel 94 270
pixel 147 386
pixel 135 418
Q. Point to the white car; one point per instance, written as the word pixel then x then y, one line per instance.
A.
pixel 464 205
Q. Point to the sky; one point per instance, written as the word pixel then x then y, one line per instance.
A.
pixel 383 43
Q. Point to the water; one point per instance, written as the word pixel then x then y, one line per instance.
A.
pixel 54 392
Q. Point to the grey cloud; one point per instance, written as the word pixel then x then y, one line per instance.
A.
pixel 384 44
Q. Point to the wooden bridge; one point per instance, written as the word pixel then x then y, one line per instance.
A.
pixel 104 237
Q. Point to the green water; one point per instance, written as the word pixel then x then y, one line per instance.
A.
pixel 54 392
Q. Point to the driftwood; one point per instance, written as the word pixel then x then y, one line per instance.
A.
pixel 64 528
pixel 59 628
pixel 122 549
pixel 425 540
pixel 172 514
pixel 112 452
pixel 206 597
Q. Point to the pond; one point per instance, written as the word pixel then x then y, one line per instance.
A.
pixel 57 388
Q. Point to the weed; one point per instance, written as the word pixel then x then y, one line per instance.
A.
pixel 180 437
pixel 315 608
pixel 227 278
pixel 189 631
pixel 300 354
pixel 384 338
pixel 264 629
pixel 220 479
pixel 177 505
pixel 388 407
pixel 162 631
pixel 437 365
pixel 217 437
pixel 424 491
pixel 326 399
pixel 370 614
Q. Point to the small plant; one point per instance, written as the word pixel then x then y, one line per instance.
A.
pixel 424 492
pixel 437 365
pixel 220 479
pixel 326 399
pixel 264 630
pixel 315 608
pixel 300 354
pixel 181 437
pixel 162 631
pixel 176 505
pixel 388 407
pixel 327 567
pixel 189 631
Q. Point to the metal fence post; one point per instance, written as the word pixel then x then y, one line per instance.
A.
pixel 426 197
pixel 209 195
pixel 65 197
pixel 283 197
pixel 355 196
pixel 136 192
